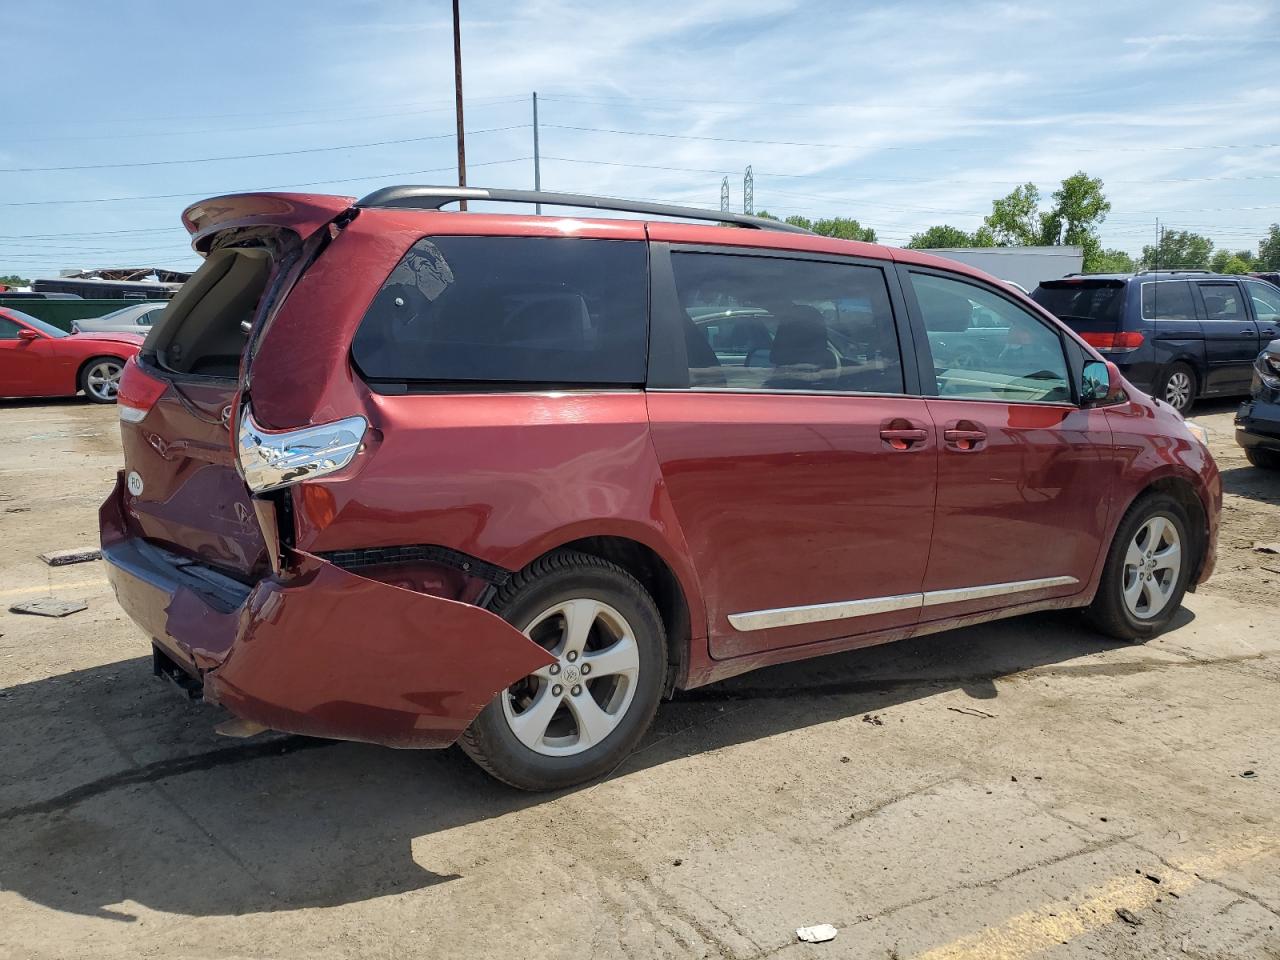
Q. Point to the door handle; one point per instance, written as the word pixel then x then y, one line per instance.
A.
pixel 964 440
pixel 903 438
pixel 1248 333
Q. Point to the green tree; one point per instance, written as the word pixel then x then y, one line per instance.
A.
pixel 984 236
pixel 1269 249
pixel 1079 206
pixel 843 228
pixel 1113 261
pixel 1225 261
pixel 1014 220
pixel 940 237
pixel 1179 250
pixel 798 221
pixel 13 280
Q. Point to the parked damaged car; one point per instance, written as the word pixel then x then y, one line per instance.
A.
pixel 1258 419
pixel 416 477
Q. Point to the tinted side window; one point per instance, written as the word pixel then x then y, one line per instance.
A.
pixel 777 324
pixel 8 329
pixel 1167 300
pixel 1222 301
pixel 544 310
pixel 1021 358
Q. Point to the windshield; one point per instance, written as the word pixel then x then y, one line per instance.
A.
pixel 46 328
pixel 1093 300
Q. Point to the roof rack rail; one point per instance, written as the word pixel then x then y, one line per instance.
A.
pixel 433 198
pixel 1170 270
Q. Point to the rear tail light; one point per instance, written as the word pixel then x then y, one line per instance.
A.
pixel 1128 340
pixel 271 459
pixel 138 392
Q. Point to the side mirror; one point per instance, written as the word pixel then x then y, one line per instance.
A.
pixel 25 334
pixel 1101 384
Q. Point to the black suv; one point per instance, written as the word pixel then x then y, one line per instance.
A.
pixel 1178 335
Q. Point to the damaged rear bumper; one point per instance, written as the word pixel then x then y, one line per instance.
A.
pixel 317 650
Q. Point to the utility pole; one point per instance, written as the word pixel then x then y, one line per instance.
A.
pixel 457 88
pixel 724 195
pixel 748 192
pixel 537 163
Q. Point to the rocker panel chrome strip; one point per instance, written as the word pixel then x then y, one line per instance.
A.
pixel 848 609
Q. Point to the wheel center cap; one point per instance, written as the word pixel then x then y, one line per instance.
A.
pixel 570 673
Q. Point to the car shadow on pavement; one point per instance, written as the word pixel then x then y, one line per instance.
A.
pixel 1253 483
pixel 116 793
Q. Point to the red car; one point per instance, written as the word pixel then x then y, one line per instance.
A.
pixel 416 477
pixel 39 360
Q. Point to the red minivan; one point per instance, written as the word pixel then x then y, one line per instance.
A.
pixel 416 477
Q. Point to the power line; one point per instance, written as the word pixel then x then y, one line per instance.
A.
pixel 278 186
pixel 351 104
pixel 253 156
pixel 840 179
pixel 877 148
pixel 270 126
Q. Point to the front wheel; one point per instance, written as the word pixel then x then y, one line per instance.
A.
pixel 1266 459
pixel 100 379
pixel 1146 573
pixel 579 717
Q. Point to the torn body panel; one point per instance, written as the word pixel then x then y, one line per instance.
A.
pixel 321 651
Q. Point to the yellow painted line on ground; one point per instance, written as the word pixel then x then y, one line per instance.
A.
pixel 55 587
pixel 1060 921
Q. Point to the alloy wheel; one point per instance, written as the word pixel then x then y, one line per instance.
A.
pixel 103 379
pixel 1151 567
pixel 573 704
pixel 1177 390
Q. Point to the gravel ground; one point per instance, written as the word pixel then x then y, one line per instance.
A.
pixel 1021 789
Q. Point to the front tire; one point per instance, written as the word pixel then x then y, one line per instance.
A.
pixel 1266 459
pixel 1148 566
pixel 1178 388
pixel 581 716
pixel 100 379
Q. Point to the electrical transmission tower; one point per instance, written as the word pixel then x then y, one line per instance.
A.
pixel 748 199
pixel 724 194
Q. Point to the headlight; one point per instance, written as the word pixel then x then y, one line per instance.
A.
pixel 1199 431
pixel 1268 367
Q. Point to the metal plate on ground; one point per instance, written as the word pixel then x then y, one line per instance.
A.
pixel 49 607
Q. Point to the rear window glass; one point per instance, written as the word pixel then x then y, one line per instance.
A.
pixel 1167 300
pixel 1094 300
pixel 536 310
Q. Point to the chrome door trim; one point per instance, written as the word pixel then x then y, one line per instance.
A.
pixel 819 612
pixel 849 609
pixel 960 594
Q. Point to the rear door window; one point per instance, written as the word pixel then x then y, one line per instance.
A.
pixel 1167 300
pixel 766 323
pixel 1222 301
pixel 510 310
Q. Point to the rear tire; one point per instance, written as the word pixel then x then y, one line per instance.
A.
pixel 1178 388
pixel 100 379
pixel 1266 459
pixel 1145 577
pixel 579 718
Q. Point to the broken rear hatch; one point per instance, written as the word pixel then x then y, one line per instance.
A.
pixel 177 401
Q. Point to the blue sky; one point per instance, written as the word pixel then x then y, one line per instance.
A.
pixel 900 114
